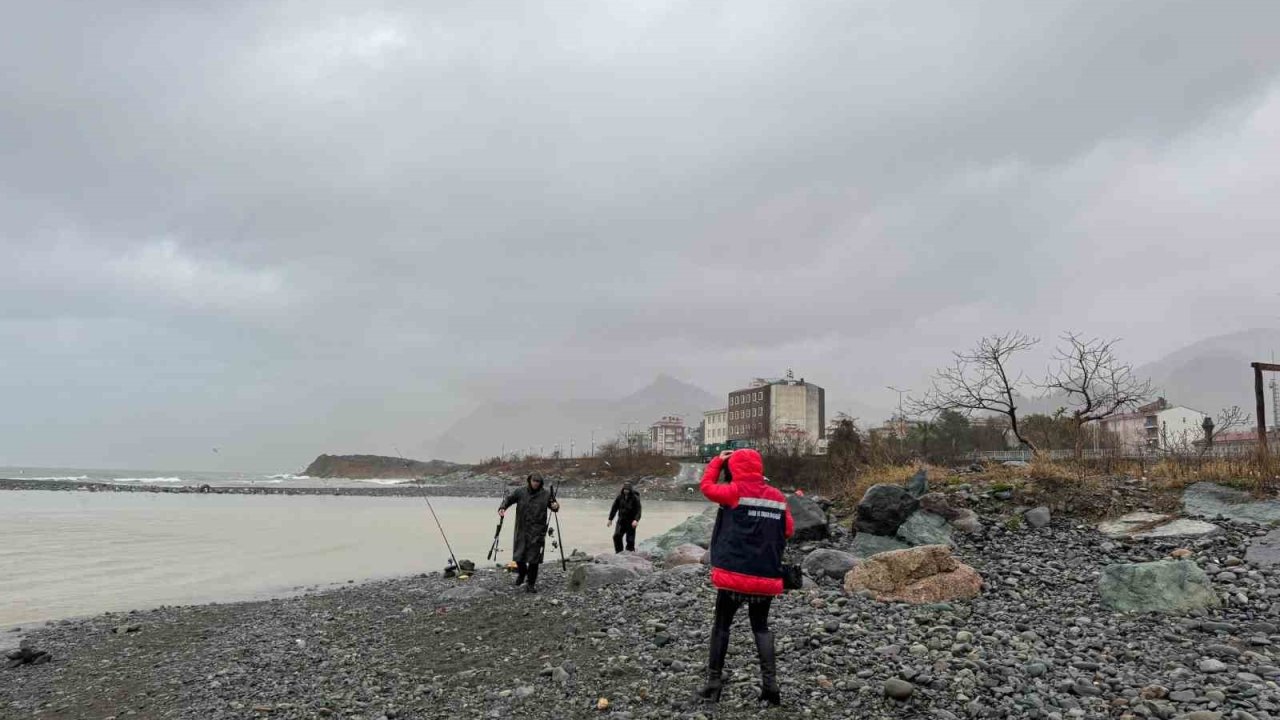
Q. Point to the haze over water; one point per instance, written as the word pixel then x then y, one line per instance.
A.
pixel 64 554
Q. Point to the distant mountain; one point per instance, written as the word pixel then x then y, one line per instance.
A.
pixel 517 426
pixel 1208 375
pixel 1214 373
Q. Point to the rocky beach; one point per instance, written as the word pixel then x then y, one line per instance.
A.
pixel 1071 620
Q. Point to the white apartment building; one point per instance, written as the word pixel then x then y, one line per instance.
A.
pixel 668 436
pixel 1156 426
pixel 717 426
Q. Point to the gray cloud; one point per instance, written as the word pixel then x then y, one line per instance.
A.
pixel 287 228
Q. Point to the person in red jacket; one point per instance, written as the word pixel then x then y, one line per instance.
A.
pixel 750 533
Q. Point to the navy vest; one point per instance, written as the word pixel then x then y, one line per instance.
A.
pixel 749 539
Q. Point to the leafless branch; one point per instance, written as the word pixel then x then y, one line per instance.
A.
pixel 981 380
pixel 1096 384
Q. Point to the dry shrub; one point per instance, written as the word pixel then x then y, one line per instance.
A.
pixel 851 489
pixel 1047 472
pixel 1176 473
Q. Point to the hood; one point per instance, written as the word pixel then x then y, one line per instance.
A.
pixel 535 476
pixel 627 486
pixel 746 466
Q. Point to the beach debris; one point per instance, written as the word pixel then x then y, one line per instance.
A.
pixel 26 654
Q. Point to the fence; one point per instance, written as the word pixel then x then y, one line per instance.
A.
pixel 1228 451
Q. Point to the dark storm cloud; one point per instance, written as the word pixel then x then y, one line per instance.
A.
pixel 301 227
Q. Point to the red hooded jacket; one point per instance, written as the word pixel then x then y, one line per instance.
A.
pixel 751 529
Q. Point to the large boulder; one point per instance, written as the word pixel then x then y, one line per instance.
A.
pixel 1038 517
pixel 967 521
pixel 588 576
pixel 937 504
pixel 962 519
pixel 684 555
pixel 695 530
pixel 608 570
pixel 1211 500
pixel 810 519
pixel 1169 586
pixel 865 545
pixel 883 509
pixel 630 560
pixel 1264 551
pixel 925 528
pixel 825 563
pixel 918 485
pixel 1146 525
pixel 921 575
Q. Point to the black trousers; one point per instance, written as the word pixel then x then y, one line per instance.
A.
pixel 528 571
pixel 621 529
pixel 727 604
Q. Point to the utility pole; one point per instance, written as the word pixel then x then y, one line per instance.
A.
pixel 1275 405
pixel 902 417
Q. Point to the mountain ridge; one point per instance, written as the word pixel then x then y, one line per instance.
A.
pixel 519 426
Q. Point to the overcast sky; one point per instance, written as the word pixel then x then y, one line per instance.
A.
pixel 280 229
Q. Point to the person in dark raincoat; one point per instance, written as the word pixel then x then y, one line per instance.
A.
pixel 532 503
pixel 627 509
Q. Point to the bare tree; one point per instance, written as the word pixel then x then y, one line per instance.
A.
pixel 981 380
pixel 1228 419
pixel 1095 382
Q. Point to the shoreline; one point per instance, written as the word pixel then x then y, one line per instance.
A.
pixel 477 489
pixel 1036 643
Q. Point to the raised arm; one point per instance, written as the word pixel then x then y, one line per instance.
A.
pixel 511 499
pixel 723 494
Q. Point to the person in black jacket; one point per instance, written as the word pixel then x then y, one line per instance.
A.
pixel 627 509
pixel 532 503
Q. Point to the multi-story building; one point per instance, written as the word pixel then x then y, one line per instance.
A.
pixel 1156 426
pixel 668 436
pixel 697 434
pixel 715 427
pixel 778 410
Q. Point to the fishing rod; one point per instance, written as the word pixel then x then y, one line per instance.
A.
pixel 423 487
pixel 564 565
pixel 493 549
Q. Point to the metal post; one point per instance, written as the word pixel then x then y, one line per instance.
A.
pixel 1262 411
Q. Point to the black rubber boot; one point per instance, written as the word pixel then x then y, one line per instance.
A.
pixel 769 690
pixel 715 666
pixel 533 579
pixel 520 572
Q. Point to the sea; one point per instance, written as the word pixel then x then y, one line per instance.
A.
pixel 185 477
pixel 70 554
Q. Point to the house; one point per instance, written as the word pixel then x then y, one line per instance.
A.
pixel 668 436
pixel 1156 426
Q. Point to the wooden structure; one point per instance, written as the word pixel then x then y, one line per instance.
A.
pixel 1260 396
